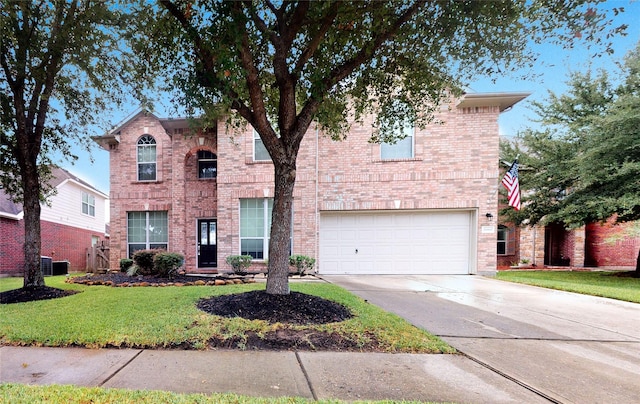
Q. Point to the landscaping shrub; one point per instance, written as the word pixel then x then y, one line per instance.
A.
pixel 166 264
pixel 144 260
pixel 125 263
pixel 132 270
pixel 302 263
pixel 239 263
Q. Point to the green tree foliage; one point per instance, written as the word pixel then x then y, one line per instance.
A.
pixel 324 61
pixel 583 165
pixel 61 65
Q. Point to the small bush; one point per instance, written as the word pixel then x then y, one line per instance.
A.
pixel 239 263
pixel 144 260
pixel 167 264
pixel 302 263
pixel 132 270
pixel 125 264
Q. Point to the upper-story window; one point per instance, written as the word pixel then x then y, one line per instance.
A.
pixel 260 152
pixel 401 149
pixel 88 204
pixel 146 158
pixel 207 164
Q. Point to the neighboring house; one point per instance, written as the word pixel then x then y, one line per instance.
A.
pixel 602 245
pixel 419 206
pixel 73 221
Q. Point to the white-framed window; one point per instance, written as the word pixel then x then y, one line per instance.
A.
pixel 506 240
pixel 401 149
pixel 207 164
pixel 146 230
pixel 503 233
pixel 260 152
pixel 88 204
pixel 255 227
pixel 146 158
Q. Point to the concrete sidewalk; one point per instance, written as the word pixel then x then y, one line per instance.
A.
pixel 312 375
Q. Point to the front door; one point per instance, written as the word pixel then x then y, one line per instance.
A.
pixel 207 252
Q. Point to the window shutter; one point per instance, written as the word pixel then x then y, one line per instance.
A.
pixel 511 241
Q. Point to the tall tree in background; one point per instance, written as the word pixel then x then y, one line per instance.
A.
pixel 294 62
pixel 584 164
pixel 60 68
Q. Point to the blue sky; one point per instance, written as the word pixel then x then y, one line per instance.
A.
pixel 518 118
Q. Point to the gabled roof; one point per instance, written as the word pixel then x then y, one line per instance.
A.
pixel 113 136
pixel 60 176
pixel 8 208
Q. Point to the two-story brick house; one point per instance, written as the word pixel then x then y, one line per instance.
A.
pixel 423 205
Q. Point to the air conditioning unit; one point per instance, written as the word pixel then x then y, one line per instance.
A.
pixel 46 264
pixel 60 267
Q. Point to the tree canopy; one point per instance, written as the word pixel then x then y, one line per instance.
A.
pixel 294 62
pixel 583 165
pixel 62 65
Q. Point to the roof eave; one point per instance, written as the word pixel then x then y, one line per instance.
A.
pixel 504 100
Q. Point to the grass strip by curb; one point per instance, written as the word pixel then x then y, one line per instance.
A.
pixel 57 394
pixel 613 285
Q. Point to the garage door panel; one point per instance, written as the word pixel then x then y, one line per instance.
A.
pixel 395 242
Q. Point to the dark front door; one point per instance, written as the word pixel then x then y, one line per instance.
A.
pixel 207 252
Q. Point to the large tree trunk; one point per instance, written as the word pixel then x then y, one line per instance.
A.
pixel 33 276
pixel 637 273
pixel 279 245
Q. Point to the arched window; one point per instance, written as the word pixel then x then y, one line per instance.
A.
pixel 146 158
pixel 207 164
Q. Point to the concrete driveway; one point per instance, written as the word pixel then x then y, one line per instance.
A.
pixel 568 348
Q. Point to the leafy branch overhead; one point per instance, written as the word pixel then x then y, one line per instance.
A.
pixel 298 61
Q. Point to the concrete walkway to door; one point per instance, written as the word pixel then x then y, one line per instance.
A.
pixel 569 348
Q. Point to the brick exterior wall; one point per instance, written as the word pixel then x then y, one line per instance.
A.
pixel 11 247
pixel 453 169
pixel 610 245
pixel 595 245
pixel 177 189
pixel 60 242
pixel 66 243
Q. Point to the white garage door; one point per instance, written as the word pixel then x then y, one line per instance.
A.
pixel 395 242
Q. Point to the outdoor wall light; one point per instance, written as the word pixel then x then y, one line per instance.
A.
pixel 489 216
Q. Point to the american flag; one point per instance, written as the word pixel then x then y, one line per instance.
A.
pixel 510 181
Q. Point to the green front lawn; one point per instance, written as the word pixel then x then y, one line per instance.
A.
pixel 162 317
pixel 21 394
pixel 598 283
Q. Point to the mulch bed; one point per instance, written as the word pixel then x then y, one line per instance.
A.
pixel 294 308
pixel 121 279
pixel 32 294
